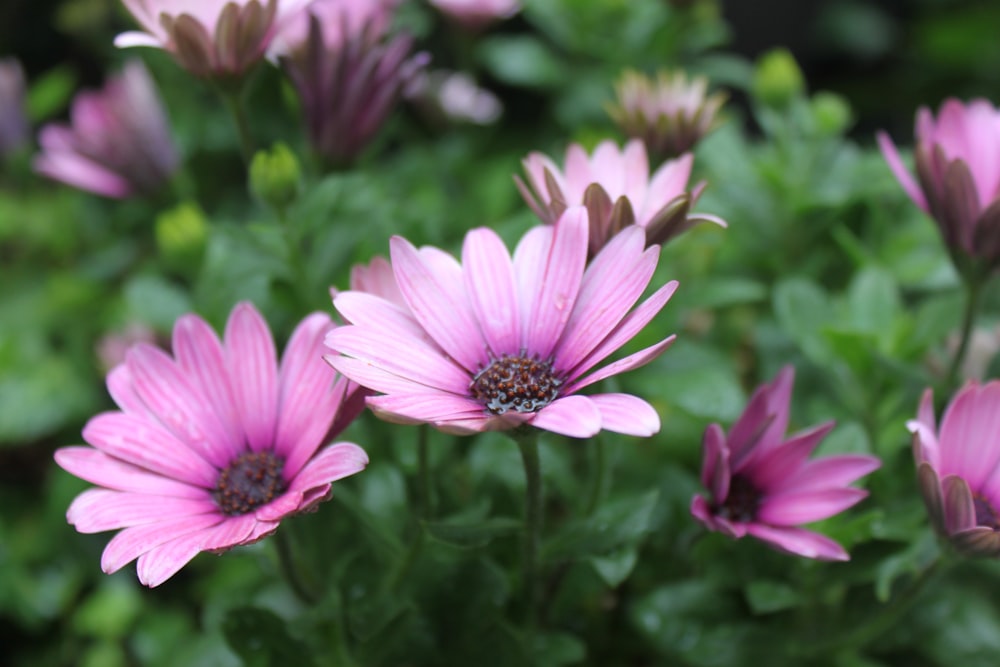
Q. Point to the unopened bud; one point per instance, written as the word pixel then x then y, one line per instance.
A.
pixel 180 235
pixel 274 176
pixel 777 80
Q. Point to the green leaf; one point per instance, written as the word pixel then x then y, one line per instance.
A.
pixel 802 309
pixel 615 567
pixel 50 93
pixel 521 61
pixel 261 639
pixel 558 648
pixel 152 299
pixel 766 597
pixel 472 533
pixel 617 524
pixel 873 301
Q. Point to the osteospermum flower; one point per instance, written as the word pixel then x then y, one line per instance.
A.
pixel 617 190
pixel 957 467
pixel 498 342
pixel 349 76
pixel 765 486
pixel 957 159
pixel 475 15
pixel 209 38
pixel 212 448
pixel 669 114
pixel 118 142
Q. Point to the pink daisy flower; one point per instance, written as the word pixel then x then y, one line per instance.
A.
pixel 496 342
pixel 212 448
pixel 616 187
pixel 957 467
pixel 765 486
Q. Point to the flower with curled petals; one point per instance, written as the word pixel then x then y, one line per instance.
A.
pixel 209 38
pixel 957 467
pixel 957 158
pixel 765 486
pixel 497 342
pixel 213 447
pixel 615 186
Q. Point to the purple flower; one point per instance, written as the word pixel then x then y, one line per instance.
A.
pixel 958 177
pixel 496 342
pixel 616 188
pixel 349 76
pixel 212 448
pixel 957 467
pixel 765 486
pixel 209 38
pixel 14 129
pixel 118 143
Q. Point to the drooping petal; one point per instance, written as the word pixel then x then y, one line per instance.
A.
pixel 111 472
pixel 130 543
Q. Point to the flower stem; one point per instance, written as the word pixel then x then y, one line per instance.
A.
pixel 973 292
pixel 528 444
pixel 423 473
pixel 234 102
pixel 290 569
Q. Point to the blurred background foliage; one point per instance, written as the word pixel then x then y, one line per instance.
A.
pixel 826 264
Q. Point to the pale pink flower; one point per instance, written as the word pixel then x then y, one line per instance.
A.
pixel 118 143
pixel 377 278
pixel 349 76
pixel 341 21
pixel 209 38
pixel 957 160
pixel 669 114
pixel 213 447
pixel 496 342
pixel 957 467
pixel 474 15
pixel 615 186
pixel 764 485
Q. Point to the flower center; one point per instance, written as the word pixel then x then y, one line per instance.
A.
pixel 985 514
pixel 251 481
pixel 742 502
pixel 516 383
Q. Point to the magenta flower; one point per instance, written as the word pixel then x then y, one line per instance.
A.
pixel 617 190
pixel 498 342
pixel 212 448
pixel 958 177
pixel 349 77
pixel 118 144
pixel 765 486
pixel 209 38
pixel 957 467
pixel 475 15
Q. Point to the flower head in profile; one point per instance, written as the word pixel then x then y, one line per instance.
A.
pixel 497 342
pixel 118 142
pixel 616 188
pixel 669 114
pixel 764 485
pixel 14 129
pixel 957 466
pixel 213 447
pixel 348 73
pixel 209 38
pixel 957 158
pixel 474 15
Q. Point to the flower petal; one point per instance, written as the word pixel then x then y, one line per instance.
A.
pixel 489 281
pixel 799 542
pixel 794 508
pixel 130 543
pixel 110 472
pixel 575 416
pixel 635 360
pixel 97 510
pixel 624 413
pixel 253 369
pixel 332 463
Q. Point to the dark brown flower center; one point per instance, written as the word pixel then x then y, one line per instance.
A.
pixel 985 514
pixel 516 383
pixel 251 481
pixel 742 502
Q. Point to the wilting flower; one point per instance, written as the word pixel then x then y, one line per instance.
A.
pixel 498 342
pixel 958 178
pixel 209 38
pixel 670 115
pixel 13 123
pixel 349 76
pixel 765 486
pixel 118 143
pixel 212 448
pixel 956 467
pixel 474 15
pixel 617 190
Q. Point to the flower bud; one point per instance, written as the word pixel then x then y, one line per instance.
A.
pixel 274 176
pixel 777 79
pixel 180 236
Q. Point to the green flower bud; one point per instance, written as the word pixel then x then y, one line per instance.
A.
pixel 274 176
pixel 777 80
pixel 180 236
pixel 831 112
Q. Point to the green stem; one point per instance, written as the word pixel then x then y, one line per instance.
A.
pixel 973 293
pixel 234 102
pixel 528 444
pixel 423 473
pixel 290 569
pixel 600 475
